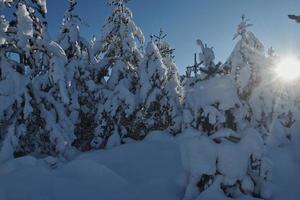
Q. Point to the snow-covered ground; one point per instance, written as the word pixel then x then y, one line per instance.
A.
pixel 152 169
pixel 286 172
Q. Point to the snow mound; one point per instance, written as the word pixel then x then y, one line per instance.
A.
pixel 229 165
pixel 159 136
pixel 133 171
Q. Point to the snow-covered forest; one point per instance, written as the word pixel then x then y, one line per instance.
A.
pixel 111 117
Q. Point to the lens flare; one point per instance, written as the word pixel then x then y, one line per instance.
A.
pixel 288 69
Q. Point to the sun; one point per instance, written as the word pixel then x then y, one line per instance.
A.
pixel 288 69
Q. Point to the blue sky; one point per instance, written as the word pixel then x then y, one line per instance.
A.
pixel 213 21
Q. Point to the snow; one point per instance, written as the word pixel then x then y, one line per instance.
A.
pixel 210 99
pixel 207 56
pixel 199 155
pixel 57 73
pixel 95 173
pixel 43 5
pixel 120 96
pixel 223 133
pixel 228 163
pixel 233 163
pixel 114 140
pixel 7 149
pixel 55 49
pixel 210 91
pixel 278 135
pixel 159 136
pixel 229 132
pixel 246 60
pixel 152 74
pixel 285 171
pixel 3 29
pixel 118 46
pixel 11 88
pixel 242 27
pixel 25 25
pixel 141 170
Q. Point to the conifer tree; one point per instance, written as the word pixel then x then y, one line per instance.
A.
pixel 252 71
pixel 153 97
pixel 246 60
pixel 173 88
pixel 211 101
pixel 273 106
pixel 120 57
pixel 264 96
pixel 81 86
pixel 214 107
pixel 35 116
pixel 207 57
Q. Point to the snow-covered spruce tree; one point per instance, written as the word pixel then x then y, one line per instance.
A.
pixel 70 38
pixel 11 77
pixel 246 60
pixel 274 106
pixel 79 75
pixel 270 108
pixel 235 164
pixel 34 112
pixel 120 58
pixel 211 102
pixel 173 88
pixel 206 58
pixel 154 103
pixel 254 77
